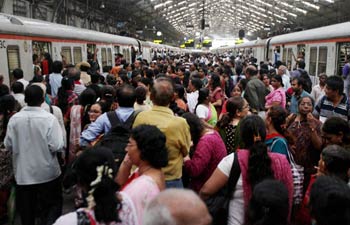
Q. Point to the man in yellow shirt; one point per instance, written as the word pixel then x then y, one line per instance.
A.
pixel 176 129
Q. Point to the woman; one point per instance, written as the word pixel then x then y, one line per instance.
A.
pixel 216 92
pixel 237 91
pixel 94 171
pixel 147 151
pixel 334 161
pixel 271 195
pixel 256 164
pixel 336 131
pixel 204 109
pixel 278 95
pixel 237 108
pixel 307 131
pixel 96 110
pixel 208 151
pixel 277 138
pixel 266 80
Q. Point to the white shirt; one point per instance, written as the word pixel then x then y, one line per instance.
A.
pixel 286 82
pixel 202 111
pixel 192 100
pixel 20 99
pixel 24 82
pixel 34 136
pixel 55 83
pixel 236 213
pixel 317 92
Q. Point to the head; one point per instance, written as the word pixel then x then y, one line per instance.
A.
pixel 276 117
pixel 281 70
pixel 140 93
pixel 335 130
pixel 34 96
pixel 322 77
pixel 251 71
pixel 196 127
pixel 57 67
pixel 4 90
pixel 334 87
pixel 305 105
pixel 265 79
pixel 335 161
pixel 269 204
pixel 301 64
pixel 177 206
pixel 276 82
pixel 195 84
pixel 126 96
pixel 17 73
pixel 84 172
pixel 297 85
pixel 96 110
pixel 67 84
pixel 214 81
pixel 147 144
pixel 87 97
pixel 17 87
pixel 162 92
pixel 330 201
pixel 74 74
pixel 203 96
pixel 236 91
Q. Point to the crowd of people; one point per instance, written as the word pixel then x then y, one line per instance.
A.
pixel 150 142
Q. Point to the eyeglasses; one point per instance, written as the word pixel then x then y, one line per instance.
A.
pixel 94 112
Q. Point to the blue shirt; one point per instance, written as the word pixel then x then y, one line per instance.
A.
pixel 103 125
pixel 294 101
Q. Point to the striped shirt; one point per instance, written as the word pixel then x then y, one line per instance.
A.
pixel 325 109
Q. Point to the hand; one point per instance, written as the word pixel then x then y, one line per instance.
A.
pixel 187 158
pixel 310 117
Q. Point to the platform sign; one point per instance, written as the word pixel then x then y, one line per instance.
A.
pixel 183 46
pixel 207 43
pixel 239 41
pixel 158 41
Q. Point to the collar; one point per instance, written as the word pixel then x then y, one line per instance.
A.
pixel 124 109
pixel 77 82
pixel 273 135
pixel 163 109
pixel 32 108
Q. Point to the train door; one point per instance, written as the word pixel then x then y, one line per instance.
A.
pixel 13 60
pixel 343 54
pixel 90 50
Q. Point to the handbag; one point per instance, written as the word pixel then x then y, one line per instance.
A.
pixel 6 169
pixel 218 204
pixel 298 179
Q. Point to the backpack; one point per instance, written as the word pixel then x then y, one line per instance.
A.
pixel 308 83
pixel 118 137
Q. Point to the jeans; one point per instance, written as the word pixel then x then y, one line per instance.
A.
pixel 174 183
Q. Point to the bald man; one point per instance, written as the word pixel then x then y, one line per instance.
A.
pixel 177 207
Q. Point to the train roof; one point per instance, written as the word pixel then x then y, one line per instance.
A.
pixel 22 26
pixel 340 30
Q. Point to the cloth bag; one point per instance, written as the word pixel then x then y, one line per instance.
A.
pixel 298 179
pixel 218 204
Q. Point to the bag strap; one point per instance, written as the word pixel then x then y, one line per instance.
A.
pixel 113 119
pixel 51 109
pixel 234 176
pixel 84 218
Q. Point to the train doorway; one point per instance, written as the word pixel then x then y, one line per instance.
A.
pixel 343 54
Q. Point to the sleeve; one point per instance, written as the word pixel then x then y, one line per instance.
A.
pixel 225 164
pixel 186 139
pixel 251 96
pixel 200 159
pixel 59 116
pixel 68 219
pixel 202 112
pixel 277 97
pixel 94 130
pixel 55 143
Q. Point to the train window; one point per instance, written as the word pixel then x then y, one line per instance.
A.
pixel 343 53
pixel 39 47
pixel 289 58
pixel 77 55
pixel 313 60
pixel 13 59
pixel 67 54
pixel 91 48
pixel 116 49
pixel 104 57
pixel 322 60
pixel 110 62
pixel 284 56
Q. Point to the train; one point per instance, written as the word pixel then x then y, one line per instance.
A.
pixel 22 37
pixel 325 49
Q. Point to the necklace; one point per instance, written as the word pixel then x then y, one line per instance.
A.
pixel 144 170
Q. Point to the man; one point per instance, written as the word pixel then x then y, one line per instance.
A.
pixel 34 137
pixel 346 76
pixel 176 129
pixel 18 76
pixel 318 90
pixel 282 71
pixel 55 77
pixel 74 73
pixel 192 98
pixel 298 92
pixel 334 102
pixel 118 59
pixel 302 73
pixel 84 76
pixel 126 99
pixel 255 91
pixel 177 207
pixel 17 89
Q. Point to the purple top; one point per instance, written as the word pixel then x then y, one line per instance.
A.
pixel 207 155
pixel 277 95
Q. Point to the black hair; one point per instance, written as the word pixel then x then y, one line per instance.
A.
pixel 180 90
pixel 87 97
pixel 335 83
pixel 62 95
pixel 337 125
pixel 34 95
pixel 140 93
pixel 37 79
pixel 17 87
pixel 7 106
pixel 17 73
pixel 278 78
pixel 110 80
pixel 301 64
pixel 196 127
pixel 232 105
pixel 337 161
pixel 108 94
pixel 330 201
pixel 269 204
pixel 203 94
pixel 300 81
pixel 57 67
pixel 196 83
pixel 253 134
pixel 151 143
pixel 278 117
pixel 34 57
pixel 95 78
pixel 126 96
pixel 215 79
pixel 309 97
pixel 84 169
pixel 4 90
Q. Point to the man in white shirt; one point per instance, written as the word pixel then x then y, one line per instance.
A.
pixel 55 77
pixel 318 90
pixel 282 71
pixel 18 76
pixel 17 89
pixel 192 98
pixel 34 137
